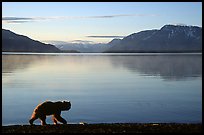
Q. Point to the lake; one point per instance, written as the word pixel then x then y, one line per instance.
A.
pixel 104 88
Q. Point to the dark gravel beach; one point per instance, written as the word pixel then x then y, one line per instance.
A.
pixel 106 128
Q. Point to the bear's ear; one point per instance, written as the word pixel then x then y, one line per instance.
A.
pixel 66 101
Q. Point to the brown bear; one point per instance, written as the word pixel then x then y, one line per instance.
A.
pixel 50 108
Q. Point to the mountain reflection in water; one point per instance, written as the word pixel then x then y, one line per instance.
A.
pixel 167 66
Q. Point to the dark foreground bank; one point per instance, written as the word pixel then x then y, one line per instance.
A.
pixel 106 128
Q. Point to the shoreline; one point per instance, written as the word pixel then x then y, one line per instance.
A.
pixel 107 128
pixel 102 54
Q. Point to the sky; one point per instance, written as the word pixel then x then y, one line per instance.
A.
pixel 94 22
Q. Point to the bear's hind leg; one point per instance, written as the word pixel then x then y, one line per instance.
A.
pixel 54 120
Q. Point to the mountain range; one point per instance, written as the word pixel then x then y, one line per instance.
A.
pixel 170 38
pixel 12 42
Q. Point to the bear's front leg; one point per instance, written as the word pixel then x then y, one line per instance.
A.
pixel 43 118
pixel 60 119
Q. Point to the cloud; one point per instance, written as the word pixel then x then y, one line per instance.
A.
pixel 15 18
pixel 82 41
pixel 110 16
pixel 106 36
pixel 120 15
pixel 31 19
pixel 58 42
pixel 16 21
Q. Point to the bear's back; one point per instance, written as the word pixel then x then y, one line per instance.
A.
pixel 47 108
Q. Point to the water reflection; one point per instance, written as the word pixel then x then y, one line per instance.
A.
pixel 168 67
pixel 11 63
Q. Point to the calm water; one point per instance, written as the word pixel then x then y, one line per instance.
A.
pixel 104 88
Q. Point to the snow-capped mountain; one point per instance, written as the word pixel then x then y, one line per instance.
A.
pixel 81 47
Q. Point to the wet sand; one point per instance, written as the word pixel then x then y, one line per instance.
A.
pixel 106 128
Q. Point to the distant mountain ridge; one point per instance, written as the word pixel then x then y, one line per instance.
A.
pixel 168 38
pixel 85 48
pixel 12 42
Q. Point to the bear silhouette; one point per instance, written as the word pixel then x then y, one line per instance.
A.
pixel 50 108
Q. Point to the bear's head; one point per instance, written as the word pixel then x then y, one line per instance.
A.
pixel 66 105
